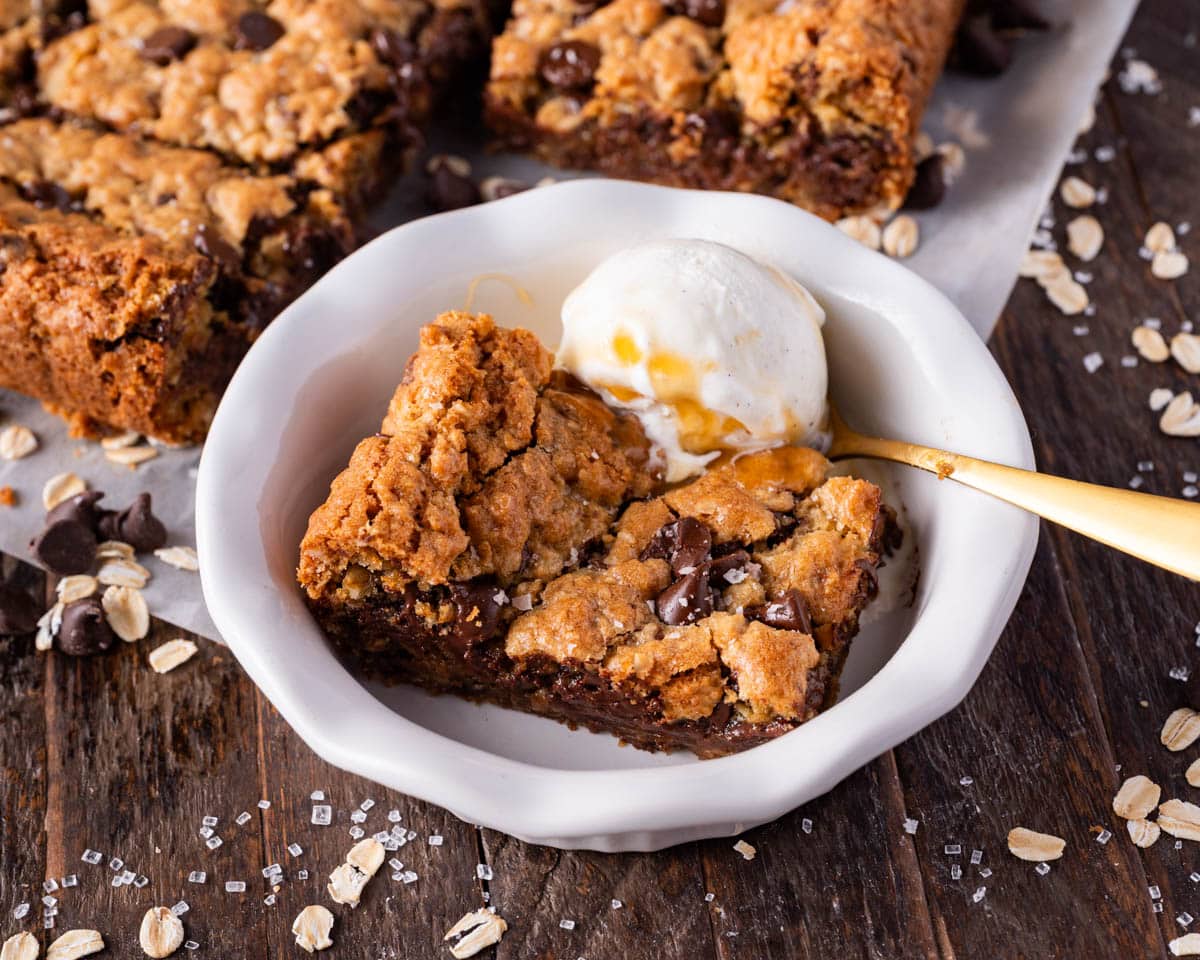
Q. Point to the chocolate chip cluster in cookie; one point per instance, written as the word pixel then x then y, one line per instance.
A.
pixel 506 536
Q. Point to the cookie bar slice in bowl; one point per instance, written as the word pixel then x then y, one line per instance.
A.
pixel 506 537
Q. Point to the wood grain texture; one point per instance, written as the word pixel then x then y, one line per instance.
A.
pixel 104 753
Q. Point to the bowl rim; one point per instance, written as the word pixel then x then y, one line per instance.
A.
pixel 642 808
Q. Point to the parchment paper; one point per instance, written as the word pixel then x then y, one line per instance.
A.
pixel 1019 129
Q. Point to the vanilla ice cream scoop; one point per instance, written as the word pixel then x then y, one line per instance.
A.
pixel 713 351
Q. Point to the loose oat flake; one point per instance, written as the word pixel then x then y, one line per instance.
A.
pixel 1041 264
pixel 171 654
pixel 1180 819
pixel 161 933
pixel 114 550
pixel 311 927
pixel 1185 348
pixel 863 229
pixel 1169 264
pixel 1143 833
pixel 1186 946
pixel 477 931
pixel 1077 193
pixel 74 944
pixel 79 586
pixel 60 487
pixel 1150 344
pixel 1181 729
pixel 182 558
pixel 747 850
pixel 119 441
pixel 21 947
pixel 1067 294
pixel 1181 417
pixel 131 456
pixel 1159 237
pixel 123 573
pixel 1085 237
pixel 126 612
pixel 1034 847
pixel 347 881
pixel 1137 797
pixel 901 236
pixel 17 441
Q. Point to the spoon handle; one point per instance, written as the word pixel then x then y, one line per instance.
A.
pixel 1160 530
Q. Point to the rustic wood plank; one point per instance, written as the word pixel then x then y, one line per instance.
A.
pixel 22 767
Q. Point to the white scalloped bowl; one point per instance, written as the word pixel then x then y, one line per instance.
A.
pixel 903 363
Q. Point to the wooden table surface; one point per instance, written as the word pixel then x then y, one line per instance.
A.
pixel 103 753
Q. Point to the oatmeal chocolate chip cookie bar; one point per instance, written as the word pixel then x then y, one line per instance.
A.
pixel 261 82
pixel 133 275
pixel 817 102
pixel 506 538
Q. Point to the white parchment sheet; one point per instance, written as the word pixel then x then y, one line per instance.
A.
pixel 1023 124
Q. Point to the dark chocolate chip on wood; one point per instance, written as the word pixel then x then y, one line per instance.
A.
pixel 19 612
pixel 209 243
pixel 256 31
pixel 710 13
pixel 570 65
pixel 84 629
pixel 980 49
pixel 451 191
pixel 65 547
pixel 167 44
pixel 789 612
pixel 686 600
pixel 929 185
pixel 139 527
pixel 81 508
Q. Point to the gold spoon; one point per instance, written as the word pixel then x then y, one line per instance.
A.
pixel 1159 530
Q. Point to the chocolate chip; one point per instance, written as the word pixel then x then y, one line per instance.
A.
pixel 477 614
pixel 929 185
pixel 65 547
pixel 168 43
pixel 391 48
pixel 685 542
pixel 209 243
pixel 980 50
pixel 256 31
pixel 1018 15
pixel 85 630
pixel 714 126
pixel 80 508
pixel 451 191
pixel 46 195
pixel 686 600
pixel 139 527
pixel 710 13
pixel 789 612
pixel 18 611
pixel 718 569
pixel 569 65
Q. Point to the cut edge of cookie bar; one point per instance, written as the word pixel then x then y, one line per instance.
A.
pixel 818 104
pixel 424 567
pixel 136 274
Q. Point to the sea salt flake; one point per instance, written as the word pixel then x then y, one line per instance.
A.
pixel 1042 868
pixel 1158 907
pixel 366 805
pixel 243 818
pixel 436 840
pixel 115 864
pixel 317 795
pixel 213 842
pixel 1129 361
pixel 141 881
pixel 50 885
pixel 301 874
pixel 273 868
pixel 209 821
pixel 567 924
pixel 92 856
pixel 1103 836
pixel 976 857
pixel 1194 877
pixel 1184 919
pixel 395 864
pixel 357 816
pixel 357 832
pixel 409 876
pixel 1145 466
pixel 483 872
pixel 806 825
pixel 20 911
pixel 48 923
pixel 1093 362
pixel 206 832
pixel 191 945
pixel 952 849
pixel 197 876
pixel 979 894
pixel 615 904
pixel 182 907
pixel 382 836
pixel 117 881
pixel 50 901
pixel 295 849
pixel 411 835
pixel 1081 330
pixel 911 825
pixel 1190 491
pixel 1190 476
pixel 394 816
pixel 269 899
pixel 70 880
pixel 264 804
pixel 1155 893
pixel 985 872
pixel 1179 673
pixel 128 876
pixel 1178 844
pixel 966 781
pixel 235 886
pixel 322 815
pixel 955 872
